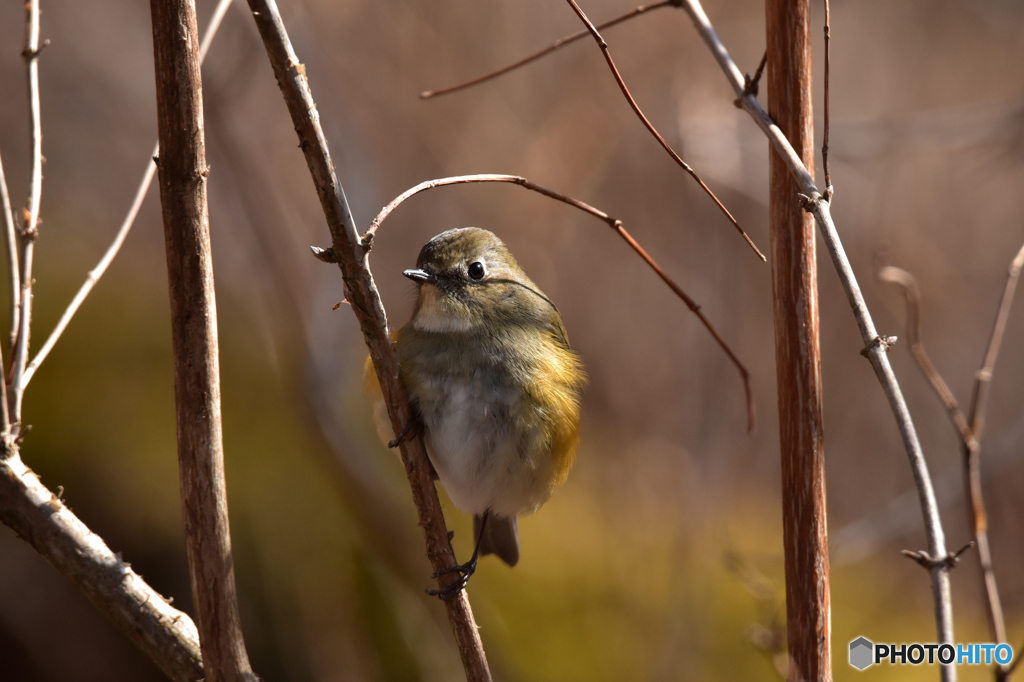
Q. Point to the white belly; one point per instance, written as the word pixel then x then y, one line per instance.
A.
pixel 488 452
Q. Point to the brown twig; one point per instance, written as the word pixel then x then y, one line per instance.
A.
pixel 561 42
pixel 824 144
pixel 365 302
pixel 183 187
pixel 615 224
pixel 650 127
pixel 163 633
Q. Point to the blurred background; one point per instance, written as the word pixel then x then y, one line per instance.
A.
pixel 661 558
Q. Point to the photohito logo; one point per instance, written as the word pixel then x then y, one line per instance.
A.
pixel 863 653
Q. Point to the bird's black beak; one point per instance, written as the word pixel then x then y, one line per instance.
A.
pixel 420 276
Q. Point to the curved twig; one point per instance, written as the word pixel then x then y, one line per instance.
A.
pixel 13 267
pixel 615 224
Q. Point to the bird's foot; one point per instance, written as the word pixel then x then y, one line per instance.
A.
pixel 465 571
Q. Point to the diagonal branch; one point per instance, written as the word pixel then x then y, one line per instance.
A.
pixel 163 633
pixel 360 290
pixel 650 127
pixel 612 222
pixel 11 245
pixel 122 233
pixel 875 350
pixel 561 42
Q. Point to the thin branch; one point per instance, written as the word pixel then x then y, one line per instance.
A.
pixel 126 226
pixel 816 204
pixel 824 145
pixel 11 245
pixel 615 224
pixel 183 198
pixel 561 42
pixel 19 351
pixel 362 293
pixel 650 127
pixel 41 519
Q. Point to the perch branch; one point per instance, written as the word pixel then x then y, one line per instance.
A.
pixel 361 292
pixel 819 207
pixel 126 226
pixel 561 42
pixel 183 198
pixel 650 127
pixel 615 224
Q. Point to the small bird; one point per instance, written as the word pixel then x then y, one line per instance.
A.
pixel 493 384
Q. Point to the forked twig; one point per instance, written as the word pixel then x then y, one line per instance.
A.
pixel 126 226
pixel 615 224
pixel 969 428
pixel 815 203
pixel 561 42
pixel 650 127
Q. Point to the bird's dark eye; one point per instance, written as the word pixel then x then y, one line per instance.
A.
pixel 477 270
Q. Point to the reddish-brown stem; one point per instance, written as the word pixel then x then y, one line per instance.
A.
pixel 561 42
pixel 797 348
pixel 612 222
pixel 650 127
pixel 183 176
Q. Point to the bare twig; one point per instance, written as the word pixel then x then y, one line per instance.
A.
pixel 13 267
pixel 30 231
pixel 365 302
pixel 183 185
pixel 615 224
pixel 650 127
pixel 824 145
pixel 816 204
pixel 163 633
pixel 126 226
pixel 968 427
pixel 561 42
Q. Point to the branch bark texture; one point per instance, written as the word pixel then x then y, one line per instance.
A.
pixel 163 633
pixel 183 176
pixel 351 254
pixel 797 349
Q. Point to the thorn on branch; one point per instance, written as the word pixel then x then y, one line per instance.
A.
pixel 326 255
pixel 925 560
pixel 883 342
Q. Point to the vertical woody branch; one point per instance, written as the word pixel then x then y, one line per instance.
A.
pixel 351 253
pixel 183 175
pixel 797 351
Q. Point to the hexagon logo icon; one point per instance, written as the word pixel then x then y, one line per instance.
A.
pixel 861 650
